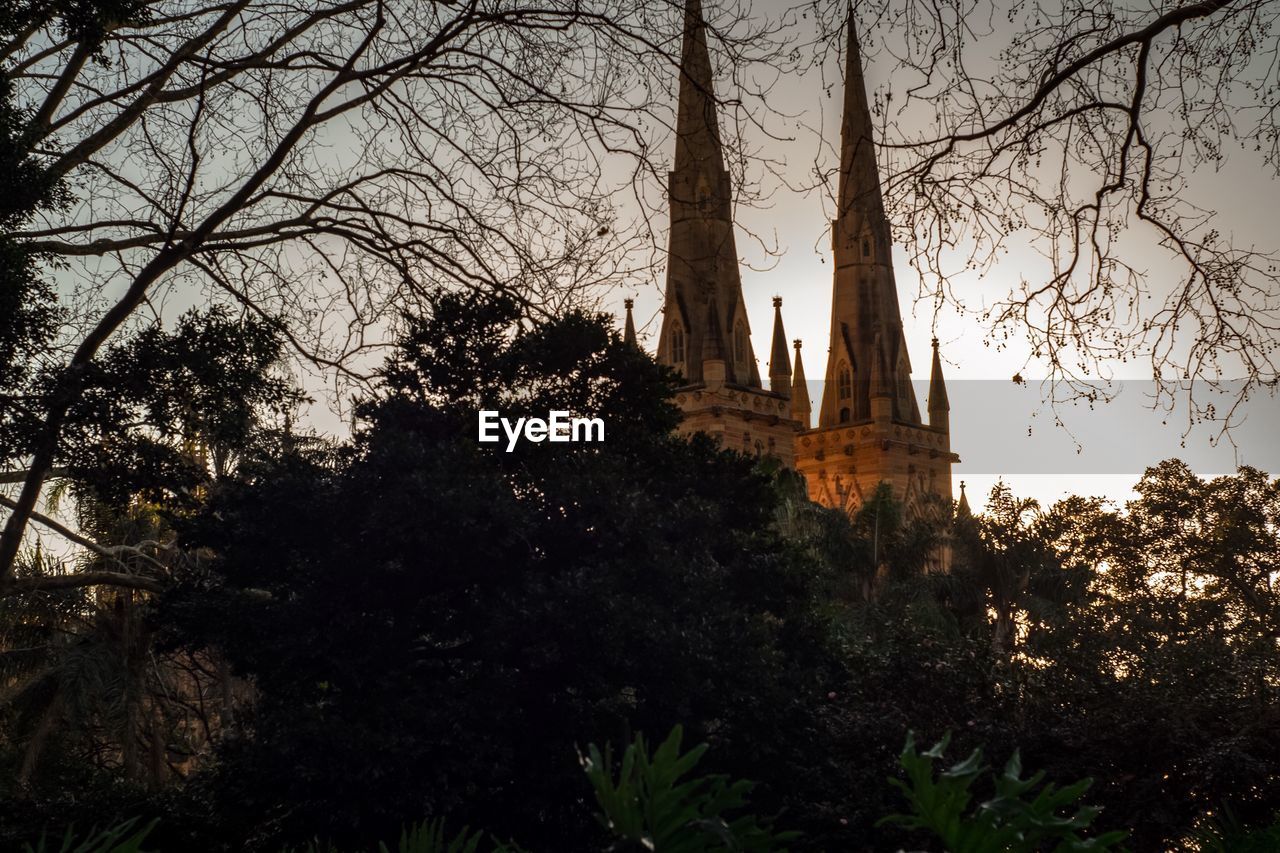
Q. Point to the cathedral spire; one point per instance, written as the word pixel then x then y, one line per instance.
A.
pixel 697 125
pixel 702 268
pixel 939 405
pixel 779 357
pixel 629 330
pixel 861 204
pixel 800 406
pixel 864 296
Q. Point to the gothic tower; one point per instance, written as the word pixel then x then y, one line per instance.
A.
pixel 705 334
pixel 869 426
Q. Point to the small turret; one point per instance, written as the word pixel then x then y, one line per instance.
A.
pixel 800 406
pixel 939 406
pixel 629 331
pixel 962 505
pixel 779 357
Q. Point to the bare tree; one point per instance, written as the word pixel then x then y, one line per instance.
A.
pixel 323 164
pixel 1085 129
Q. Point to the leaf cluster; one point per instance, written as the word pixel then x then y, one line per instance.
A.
pixel 1021 816
pixel 651 805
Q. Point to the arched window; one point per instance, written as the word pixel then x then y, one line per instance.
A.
pixel 677 343
pixel 866 247
pixel 844 382
pixel 740 342
pixel 844 415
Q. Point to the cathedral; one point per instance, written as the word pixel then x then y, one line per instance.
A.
pixel 869 427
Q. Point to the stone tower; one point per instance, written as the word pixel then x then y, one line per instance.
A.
pixel 869 426
pixel 705 333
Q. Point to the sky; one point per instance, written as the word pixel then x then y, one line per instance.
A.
pixel 1000 430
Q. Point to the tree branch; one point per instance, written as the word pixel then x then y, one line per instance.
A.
pixel 79 580
pixel 110 553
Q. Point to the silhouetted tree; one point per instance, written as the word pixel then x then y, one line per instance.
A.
pixel 1161 678
pixel 433 623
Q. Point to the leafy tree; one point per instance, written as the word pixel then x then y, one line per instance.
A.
pixel 158 416
pixel 433 623
pixel 91 705
pixel 1159 682
pixel 1114 672
pixel 1005 564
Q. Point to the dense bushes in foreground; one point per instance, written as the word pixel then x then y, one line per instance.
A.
pixel 651 800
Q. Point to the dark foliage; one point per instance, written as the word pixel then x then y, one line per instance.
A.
pixel 432 624
pixel 151 400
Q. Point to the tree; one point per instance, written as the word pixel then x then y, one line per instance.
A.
pixel 1131 646
pixel 88 693
pixel 1006 566
pixel 164 414
pixel 432 624
pixel 158 416
pixel 1161 681
pixel 311 165
pixel 1086 130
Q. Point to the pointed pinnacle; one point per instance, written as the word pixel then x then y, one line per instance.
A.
pixel 800 405
pixel 938 401
pixel 779 355
pixel 629 330
pixel 859 181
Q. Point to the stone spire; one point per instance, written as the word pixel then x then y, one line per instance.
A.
pixel 962 506
pixel 865 295
pixel 939 406
pixel 629 331
pixel 800 406
pixel 702 267
pixel 779 356
pixel 861 206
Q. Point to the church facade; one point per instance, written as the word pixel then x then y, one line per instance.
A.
pixel 869 427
